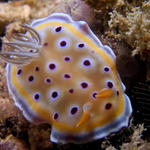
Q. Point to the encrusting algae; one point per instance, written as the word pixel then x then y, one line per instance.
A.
pixel 133 26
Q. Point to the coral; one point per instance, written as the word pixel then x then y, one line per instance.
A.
pixel 7 113
pixel 3 87
pixel 132 24
pixel 13 11
pixel 39 137
pixel 77 9
pixel 101 4
pixel 136 142
pixel 11 120
pixel 12 143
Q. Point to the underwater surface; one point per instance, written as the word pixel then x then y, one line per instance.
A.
pixel 124 26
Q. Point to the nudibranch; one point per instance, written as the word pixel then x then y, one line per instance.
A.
pixel 60 73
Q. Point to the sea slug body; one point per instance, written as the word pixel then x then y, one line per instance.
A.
pixel 60 73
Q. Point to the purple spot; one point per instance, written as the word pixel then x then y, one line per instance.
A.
pixel 110 84
pixel 63 43
pixel 58 29
pixel 67 58
pixel 86 62
pixel 71 91
pixel 36 96
pixel 56 116
pixel 67 76
pixel 84 85
pixel 117 93
pixel 54 95
pixel 19 72
pixel 94 95
pixel 46 44
pixel 106 69
pixel 37 68
pixel 47 80
pixel 108 106
pixel 31 78
pixel 31 50
pixel 52 66
pixel 74 110
pixel 81 45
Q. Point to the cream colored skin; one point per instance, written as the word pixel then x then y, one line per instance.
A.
pixel 80 116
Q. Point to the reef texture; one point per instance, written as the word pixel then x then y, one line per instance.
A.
pixel 131 22
pixel 12 143
pixel 124 25
pixel 128 20
pixel 135 143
